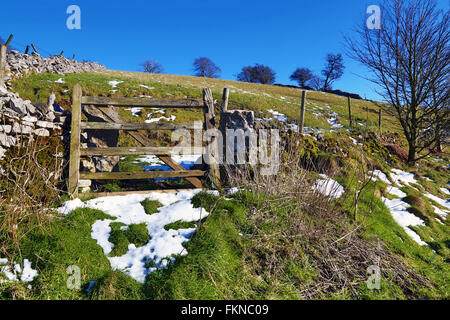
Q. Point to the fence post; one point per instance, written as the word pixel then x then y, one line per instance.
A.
pixel 8 41
pixel 225 97
pixel 349 110
pixel 2 63
pixel 209 117
pixel 302 112
pixel 380 119
pixel 74 165
pixel 34 48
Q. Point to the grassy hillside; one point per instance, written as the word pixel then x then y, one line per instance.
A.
pixel 276 239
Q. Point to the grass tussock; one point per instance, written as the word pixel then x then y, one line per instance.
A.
pixel 30 185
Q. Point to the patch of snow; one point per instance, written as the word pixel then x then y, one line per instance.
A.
pixel 233 190
pixel 380 175
pixel 334 122
pixel 445 190
pixel 405 219
pixel 440 212
pixel 163 244
pixel 146 87
pixel 402 177
pixel 70 205
pixel 441 202
pixel 24 273
pixel 328 187
pixel 171 118
pixel 114 83
pixel 277 115
pixel 135 111
pixel 60 80
pixel 396 192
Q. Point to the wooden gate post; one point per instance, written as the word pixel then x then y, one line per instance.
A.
pixel 225 97
pixel 2 64
pixel 349 110
pixel 302 112
pixel 210 123
pixel 75 131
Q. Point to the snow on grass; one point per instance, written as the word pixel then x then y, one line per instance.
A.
pixel 334 122
pixel 380 175
pixel 171 118
pixel 396 192
pixel 277 115
pixel 153 163
pixel 137 262
pixel 146 87
pixel 135 111
pixel 402 177
pixel 405 219
pixel 445 190
pixel 441 202
pixel 23 273
pixel 60 80
pixel 397 207
pixel 114 83
pixel 440 212
pixel 328 187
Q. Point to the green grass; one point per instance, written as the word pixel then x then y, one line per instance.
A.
pixel 180 225
pixel 136 234
pixel 151 206
pixel 64 242
pixel 259 98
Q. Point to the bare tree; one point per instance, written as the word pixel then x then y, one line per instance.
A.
pixel 302 76
pixel 317 83
pixel 152 66
pixel 333 69
pixel 257 74
pixel 204 67
pixel 408 59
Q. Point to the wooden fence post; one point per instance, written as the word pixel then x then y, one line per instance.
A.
pixel 27 49
pixel 34 48
pixel 349 110
pixel 379 119
pixel 302 112
pixel 225 97
pixel 210 123
pixel 75 131
pixel 2 63
pixel 8 41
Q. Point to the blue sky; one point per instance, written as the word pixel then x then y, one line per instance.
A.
pixel 283 34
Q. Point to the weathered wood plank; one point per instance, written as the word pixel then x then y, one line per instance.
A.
pixel 210 123
pixel 124 193
pixel 140 175
pixel 74 165
pixel 142 102
pixel 127 151
pixel 137 126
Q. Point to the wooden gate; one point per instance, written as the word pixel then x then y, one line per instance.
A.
pixel 162 153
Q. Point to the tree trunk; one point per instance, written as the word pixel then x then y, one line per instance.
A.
pixel 412 153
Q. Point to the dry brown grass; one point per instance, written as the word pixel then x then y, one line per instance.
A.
pixel 294 225
pixel 30 186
